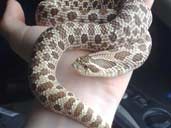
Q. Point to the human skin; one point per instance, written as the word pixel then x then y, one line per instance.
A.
pixel 102 94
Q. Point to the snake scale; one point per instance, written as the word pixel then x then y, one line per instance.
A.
pixel 114 31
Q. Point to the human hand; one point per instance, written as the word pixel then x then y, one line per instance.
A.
pixel 102 94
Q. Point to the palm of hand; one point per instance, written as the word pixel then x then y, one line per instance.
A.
pixel 96 92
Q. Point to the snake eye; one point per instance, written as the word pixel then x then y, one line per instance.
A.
pixel 85 67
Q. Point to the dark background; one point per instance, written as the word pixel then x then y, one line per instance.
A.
pixel 153 78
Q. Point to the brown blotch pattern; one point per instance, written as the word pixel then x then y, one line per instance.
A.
pixel 35 62
pixel 51 77
pixel 110 17
pixel 116 24
pixel 62 31
pixel 88 115
pixel 93 68
pixel 53 22
pixel 75 3
pixel 103 29
pixel 137 57
pixel 84 38
pixel 112 37
pixel 71 39
pixel 103 63
pixel 68 104
pixel 57 107
pixel 132 7
pixel 40 47
pixel 140 41
pixel 71 16
pixel 127 18
pixel 97 122
pixel 137 20
pixel 54 11
pixel 135 31
pixel 46 57
pixel 78 109
pixel 55 97
pixel 61 45
pixel 92 17
pixel 40 39
pixel 142 47
pixel 45 86
pixel 70 94
pixel 49 35
pixel 127 31
pixel 35 76
pixel 121 41
pixel 52 44
pixel 59 87
pixel 77 31
pixel 95 4
pixel 122 55
pixel 70 24
pixel 98 39
pixel 60 19
pixel 44 71
pixel 103 11
pixel 85 4
pixel 91 29
pixel 51 66
pixel 126 66
pixel 55 55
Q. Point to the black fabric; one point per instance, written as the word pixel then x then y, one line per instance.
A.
pixel 2 7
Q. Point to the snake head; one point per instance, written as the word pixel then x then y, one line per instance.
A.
pixel 85 67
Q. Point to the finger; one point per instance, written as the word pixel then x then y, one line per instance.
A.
pixel 3 6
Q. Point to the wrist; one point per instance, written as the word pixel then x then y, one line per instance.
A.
pixel 42 118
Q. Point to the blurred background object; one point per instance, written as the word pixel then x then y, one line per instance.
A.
pixel 2 7
pixel 11 119
pixel 163 9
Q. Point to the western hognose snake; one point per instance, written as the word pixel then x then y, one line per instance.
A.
pixel 115 31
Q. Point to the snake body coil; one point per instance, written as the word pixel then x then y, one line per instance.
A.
pixel 115 31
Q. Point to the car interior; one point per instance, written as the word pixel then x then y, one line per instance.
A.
pixel 146 102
